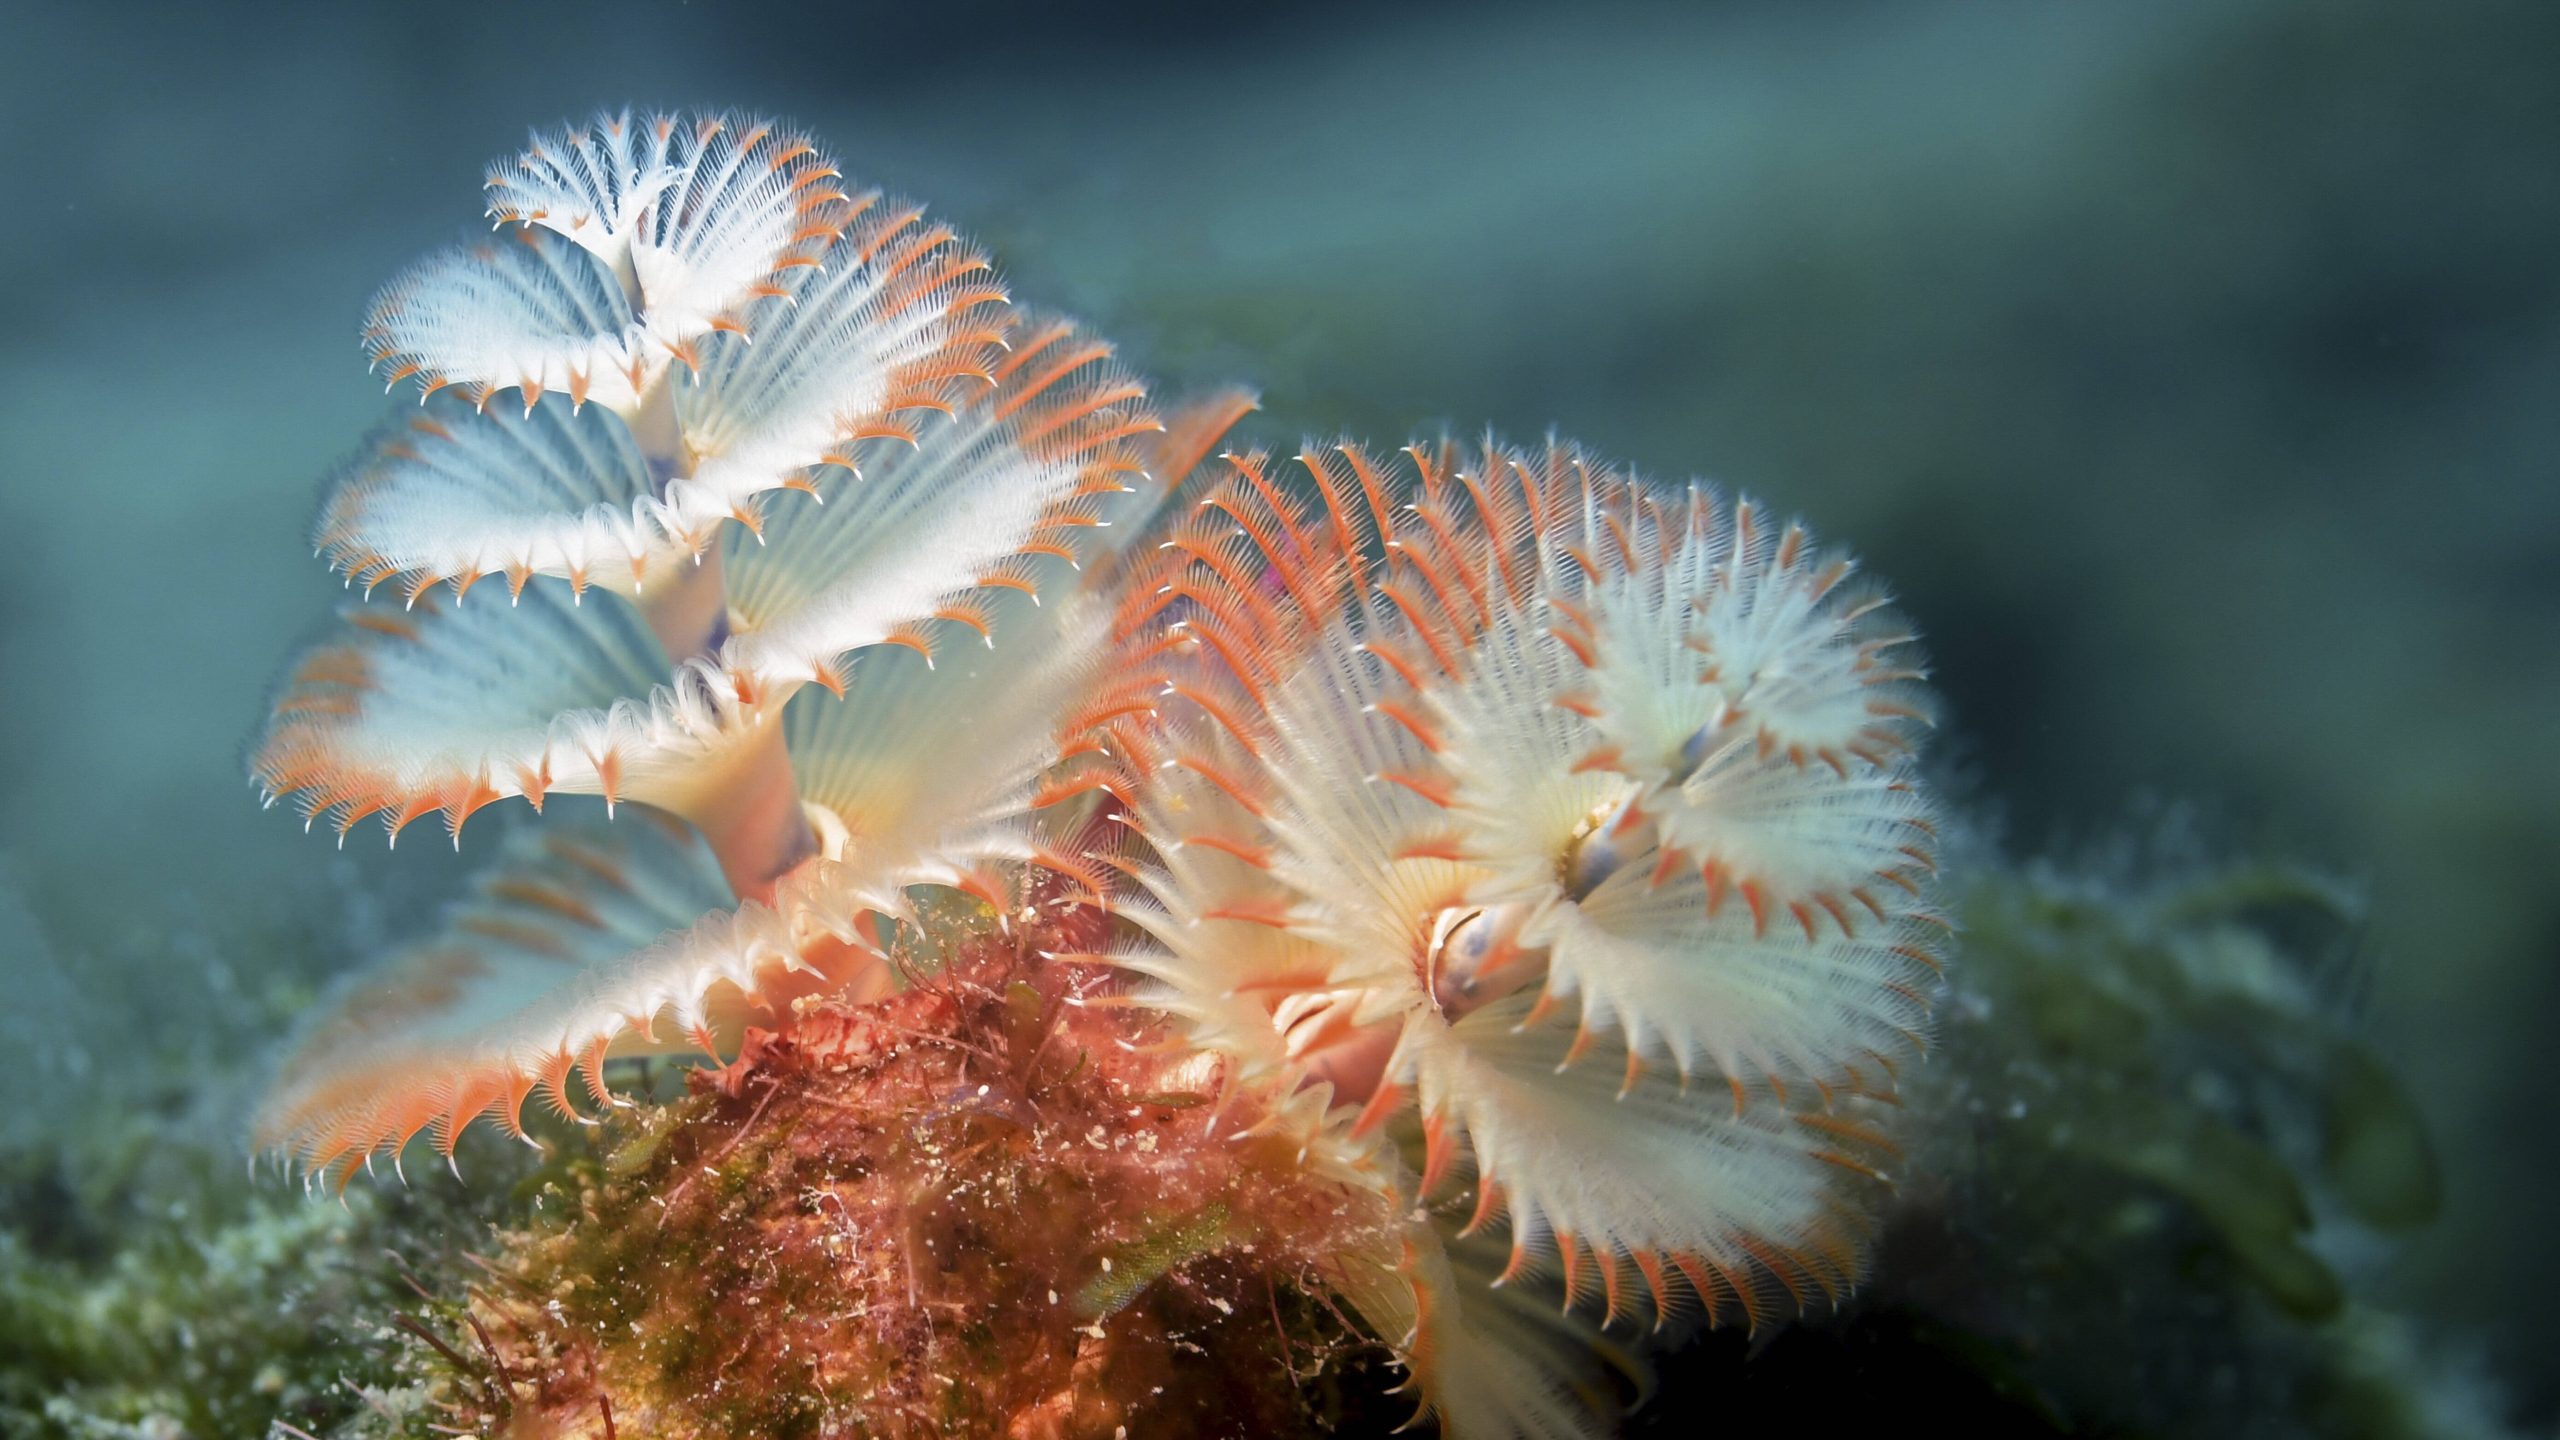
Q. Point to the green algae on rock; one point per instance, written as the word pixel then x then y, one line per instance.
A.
pixel 2157 1133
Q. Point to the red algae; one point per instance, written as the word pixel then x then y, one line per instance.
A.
pixel 997 1203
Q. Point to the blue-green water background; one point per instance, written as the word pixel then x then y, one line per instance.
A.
pixel 2192 369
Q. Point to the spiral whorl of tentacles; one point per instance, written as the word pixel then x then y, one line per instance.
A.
pixel 1541 846
pixel 1474 770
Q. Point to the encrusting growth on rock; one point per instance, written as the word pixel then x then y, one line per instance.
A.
pixel 993 1203
pixel 1151 913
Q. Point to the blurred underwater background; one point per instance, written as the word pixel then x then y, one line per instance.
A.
pixel 2190 370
